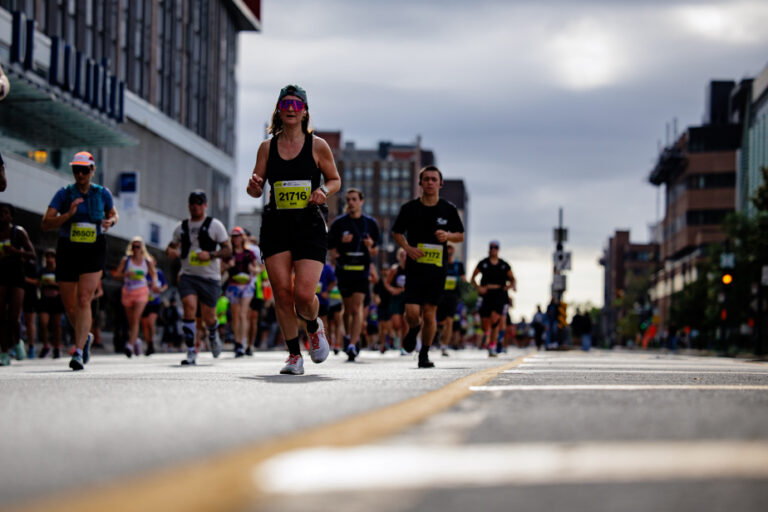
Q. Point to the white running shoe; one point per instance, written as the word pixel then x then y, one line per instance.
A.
pixel 318 344
pixel 294 365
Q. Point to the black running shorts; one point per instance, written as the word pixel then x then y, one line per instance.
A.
pixel 74 259
pixel 493 301
pixel 424 284
pixel 302 233
pixel 349 287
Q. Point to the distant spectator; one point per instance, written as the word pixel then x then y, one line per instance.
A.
pixel 538 327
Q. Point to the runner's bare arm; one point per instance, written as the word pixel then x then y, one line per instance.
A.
pixel 256 182
pixel 413 252
pixel 110 220
pixel 172 251
pixel 324 158
pixel 53 220
pixel 512 281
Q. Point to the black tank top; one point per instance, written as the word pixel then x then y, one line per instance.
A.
pixel 289 180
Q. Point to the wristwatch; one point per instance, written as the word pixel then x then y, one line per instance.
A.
pixel 324 189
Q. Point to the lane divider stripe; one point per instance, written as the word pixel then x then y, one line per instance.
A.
pixel 419 467
pixel 624 387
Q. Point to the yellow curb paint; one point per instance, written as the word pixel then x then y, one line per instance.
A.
pixel 224 482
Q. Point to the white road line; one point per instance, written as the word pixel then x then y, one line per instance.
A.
pixel 623 387
pixel 415 467
pixel 651 371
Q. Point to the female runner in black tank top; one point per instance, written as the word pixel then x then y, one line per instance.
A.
pixel 294 237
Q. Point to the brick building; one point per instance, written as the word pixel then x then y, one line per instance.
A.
pixel 622 261
pixel 388 176
pixel 699 175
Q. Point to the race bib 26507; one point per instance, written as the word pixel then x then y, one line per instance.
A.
pixel 82 232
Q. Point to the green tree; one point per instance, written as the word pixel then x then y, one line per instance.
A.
pixel 718 310
pixel 632 305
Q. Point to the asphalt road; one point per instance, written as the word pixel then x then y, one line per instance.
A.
pixel 562 431
pixel 556 430
pixel 67 430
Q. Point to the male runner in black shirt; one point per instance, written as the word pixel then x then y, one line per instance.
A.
pixel 423 229
pixel 354 237
pixel 497 279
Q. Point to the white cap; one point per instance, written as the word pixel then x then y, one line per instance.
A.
pixel 83 158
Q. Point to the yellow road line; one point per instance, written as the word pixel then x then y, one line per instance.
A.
pixel 224 482
pixel 624 387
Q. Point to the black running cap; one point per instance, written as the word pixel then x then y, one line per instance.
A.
pixel 198 195
pixel 293 90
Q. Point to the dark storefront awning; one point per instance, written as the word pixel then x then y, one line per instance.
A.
pixel 35 115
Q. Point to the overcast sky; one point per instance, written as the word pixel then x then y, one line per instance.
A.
pixel 535 105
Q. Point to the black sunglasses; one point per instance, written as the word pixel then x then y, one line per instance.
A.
pixel 494 247
pixel 196 201
pixel 80 169
pixel 135 247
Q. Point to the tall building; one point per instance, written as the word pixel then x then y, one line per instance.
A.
pixel 388 176
pixel 455 192
pixel 699 176
pixel 148 87
pixel 753 155
pixel 622 261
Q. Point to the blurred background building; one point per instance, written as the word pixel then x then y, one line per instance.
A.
pixel 698 172
pixel 626 265
pixel 148 87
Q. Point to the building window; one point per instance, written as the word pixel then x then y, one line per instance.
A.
pixel 154 233
pixel 705 217
pixel 712 180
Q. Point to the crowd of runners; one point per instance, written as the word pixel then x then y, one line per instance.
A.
pixel 300 282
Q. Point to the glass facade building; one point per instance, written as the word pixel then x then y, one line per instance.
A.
pixel 168 69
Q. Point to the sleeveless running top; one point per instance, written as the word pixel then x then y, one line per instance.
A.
pixel 241 273
pixel 291 181
pixel 48 284
pixel 135 275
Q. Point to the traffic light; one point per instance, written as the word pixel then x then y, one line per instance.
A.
pixel 727 278
pixel 562 321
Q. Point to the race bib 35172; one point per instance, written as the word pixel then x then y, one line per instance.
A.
pixel 433 254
